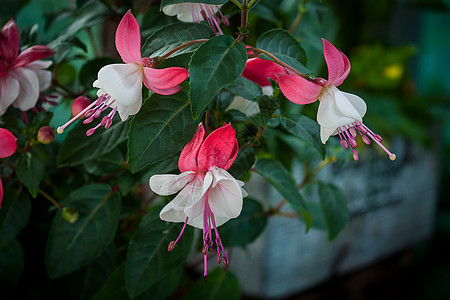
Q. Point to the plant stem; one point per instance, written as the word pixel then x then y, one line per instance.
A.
pixel 160 59
pixel 244 20
pixel 92 41
pixel 50 198
pixel 251 3
pixel 237 3
pixel 299 17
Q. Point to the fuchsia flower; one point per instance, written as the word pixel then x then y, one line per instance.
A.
pixel 22 76
pixel 339 113
pixel 197 12
pixel 259 70
pixel 120 85
pixel 8 145
pixel 209 195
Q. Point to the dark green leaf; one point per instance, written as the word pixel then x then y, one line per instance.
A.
pixel 285 47
pixel 161 129
pixel 114 288
pixel 89 71
pixel 11 266
pixel 245 88
pixel 148 259
pixel 221 285
pixel 280 178
pixel 335 209
pixel 243 163
pixel 170 2
pixel 306 129
pixel 247 227
pixel 267 106
pixel 63 47
pixel 171 36
pixel 105 164
pixel 30 170
pixel 16 209
pixel 78 148
pixel 214 65
pixel 73 245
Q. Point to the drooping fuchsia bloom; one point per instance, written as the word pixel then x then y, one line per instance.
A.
pixel 120 85
pixel 22 76
pixel 209 195
pixel 339 113
pixel 8 145
pixel 197 12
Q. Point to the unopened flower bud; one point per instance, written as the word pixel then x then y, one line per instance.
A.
pixel 70 215
pixel 46 135
pixel 78 105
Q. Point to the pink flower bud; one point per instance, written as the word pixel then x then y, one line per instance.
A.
pixel 78 105
pixel 46 135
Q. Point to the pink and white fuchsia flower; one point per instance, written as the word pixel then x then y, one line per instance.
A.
pixel 197 12
pixel 22 76
pixel 8 145
pixel 120 85
pixel 339 113
pixel 209 195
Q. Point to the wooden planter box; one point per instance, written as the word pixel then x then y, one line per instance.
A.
pixel 392 206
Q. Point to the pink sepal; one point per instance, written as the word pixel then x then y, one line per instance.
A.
pixel 299 90
pixel 8 143
pixel 337 63
pixel 219 149
pixel 9 40
pixel 188 156
pixel 128 39
pixel 32 54
pixel 258 70
pixel 167 78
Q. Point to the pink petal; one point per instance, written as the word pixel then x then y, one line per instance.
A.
pixel 188 156
pixel 31 54
pixel 337 63
pixel 219 149
pixel 128 39
pixel 298 89
pixel 257 70
pixel 167 78
pixel 9 40
pixel 8 143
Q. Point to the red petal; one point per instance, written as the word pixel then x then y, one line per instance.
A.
pixel 299 90
pixel 219 149
pixel 188 156
pixel 337 63
pixel 257 70
pixel 128 39
pixel 9 41
pixel 8 143
pixel 31 54
pixel 166 78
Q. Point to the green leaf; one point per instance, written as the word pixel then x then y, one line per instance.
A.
pixel 243 163
pixel 148 259
pixel 283 46
pixel 105 164
pixel 73 245
pixel 78 148
pixel 171 36
pixel 11 266
pixel 30 170
pixel 16 210
pixel 280 178
pixel 267 106
pixel 114 288
pixel 335 209
pixel 244 229
pixel 245 88
pixel 171 2
pixel 214 65
pixel 221 285
pixel 306 129
pixel 161 129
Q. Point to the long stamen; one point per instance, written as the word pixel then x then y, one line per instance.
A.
pixel 60 129
pixel 173 243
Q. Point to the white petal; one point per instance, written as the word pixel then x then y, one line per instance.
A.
pixel 186 12
pixel 225 195
pixel 357 103
pixel 249 108
pixel 44 76
pixel 267 90
pixel 169 184
pixel 123 82
pixel 126 111
pixel 39 64
pixel 9 89
pixel 335 110
pixel 29 88
pixel 326 132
